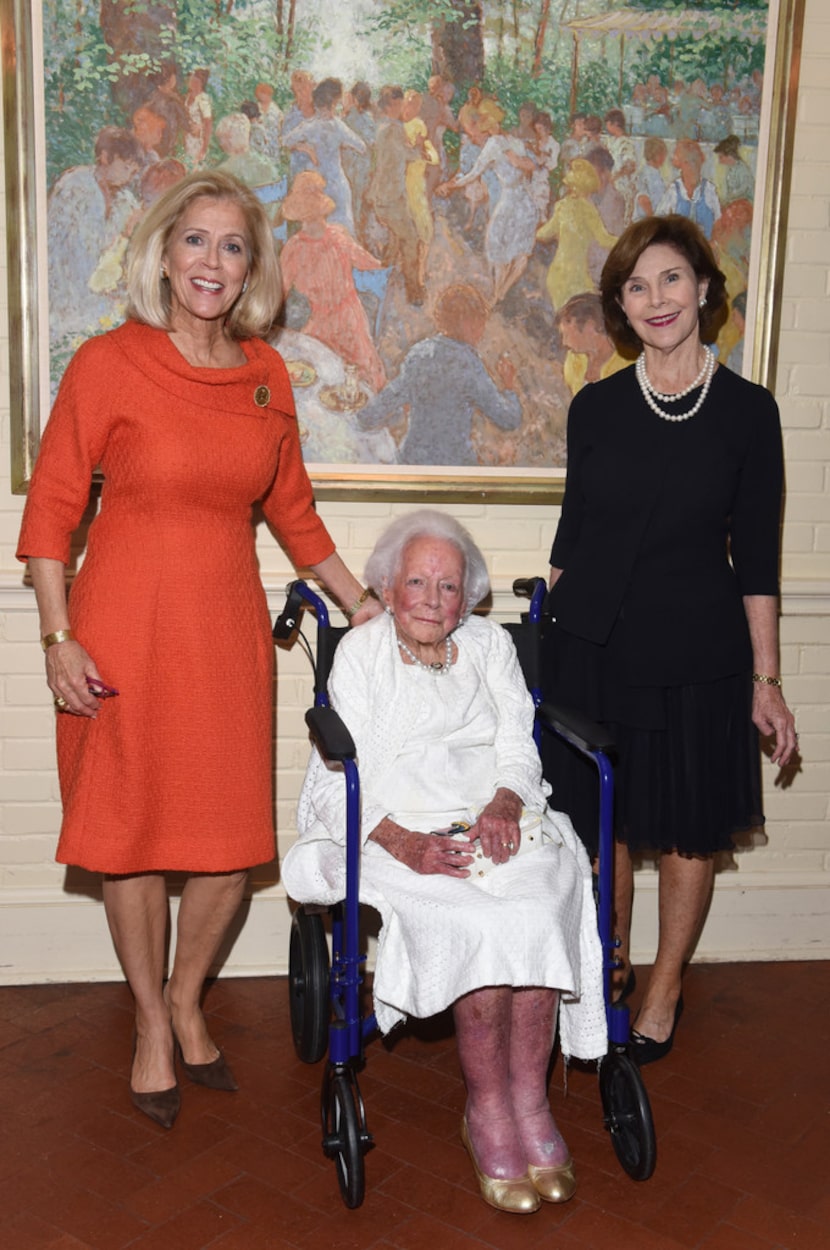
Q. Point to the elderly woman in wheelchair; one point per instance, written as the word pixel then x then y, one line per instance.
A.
pixel 484 891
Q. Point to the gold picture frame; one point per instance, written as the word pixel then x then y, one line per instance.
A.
pixel 26 194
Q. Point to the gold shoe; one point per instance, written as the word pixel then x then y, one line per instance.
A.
pixel 554 1184
pixel 516 1195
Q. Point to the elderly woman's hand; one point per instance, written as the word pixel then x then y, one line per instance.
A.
pixel 423 852
pixel 497 826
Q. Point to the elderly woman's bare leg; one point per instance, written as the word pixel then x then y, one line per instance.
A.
pixel 533 1020
pixel 482 1029
pixel 532 1024
pixel 208 905
pixel 482 1026
pixel 137 914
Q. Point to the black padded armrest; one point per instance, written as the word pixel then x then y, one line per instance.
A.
pixel 330 733
pixel 584 734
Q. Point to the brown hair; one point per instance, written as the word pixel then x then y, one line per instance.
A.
pixel 730 146
pixel 582 308
pixel 689 241
pixel 654 147
pixel 326 94
pixel 616 117
pixel 455 305
pixel 362 94
pixel 113 141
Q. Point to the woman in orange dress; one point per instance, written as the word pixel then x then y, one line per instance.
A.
pixel 161 663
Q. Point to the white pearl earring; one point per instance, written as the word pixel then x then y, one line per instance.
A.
pixel 701 303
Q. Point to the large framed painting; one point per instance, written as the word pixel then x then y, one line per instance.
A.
pixel 443 178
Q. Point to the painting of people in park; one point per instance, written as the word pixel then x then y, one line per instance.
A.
pixel 444 180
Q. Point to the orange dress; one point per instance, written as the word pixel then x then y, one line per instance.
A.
pixel 176 772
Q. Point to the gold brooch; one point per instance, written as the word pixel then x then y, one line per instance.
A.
pixel 262 396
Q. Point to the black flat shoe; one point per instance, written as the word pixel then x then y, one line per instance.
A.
pixel 645 1050
pixel 214 1075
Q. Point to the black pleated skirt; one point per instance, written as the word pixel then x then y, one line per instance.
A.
pixel 687 762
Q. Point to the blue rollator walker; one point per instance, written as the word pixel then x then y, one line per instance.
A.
pixel 325 996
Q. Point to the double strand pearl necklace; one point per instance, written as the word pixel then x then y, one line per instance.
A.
pixel 651 395
pixel 438 668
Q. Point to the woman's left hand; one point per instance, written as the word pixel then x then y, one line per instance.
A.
pixel 497 827
pixel 774 719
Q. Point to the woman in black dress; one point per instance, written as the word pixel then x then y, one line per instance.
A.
pixel 664 594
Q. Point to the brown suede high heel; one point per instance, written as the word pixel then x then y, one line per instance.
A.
pixel 161 1105
pixel 214 1075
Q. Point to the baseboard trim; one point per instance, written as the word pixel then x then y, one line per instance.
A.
pixel 57 937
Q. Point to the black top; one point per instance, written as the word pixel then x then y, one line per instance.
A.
pixel 653 510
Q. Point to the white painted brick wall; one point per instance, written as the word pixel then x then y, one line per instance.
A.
pixel 772 902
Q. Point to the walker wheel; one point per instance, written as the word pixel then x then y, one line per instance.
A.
pixel 628 1114
pixel 308 985
pixel 345 1137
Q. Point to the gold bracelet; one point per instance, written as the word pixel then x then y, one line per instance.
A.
pixel 358 603
pixel 765 680
pixel 60 635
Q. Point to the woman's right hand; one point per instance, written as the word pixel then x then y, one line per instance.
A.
pixel 69 669
pixel 426 853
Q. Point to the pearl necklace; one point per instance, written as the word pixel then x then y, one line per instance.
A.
pixel 651 394
pixel 439 668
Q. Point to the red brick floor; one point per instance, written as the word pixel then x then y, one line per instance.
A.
pixel 741 1109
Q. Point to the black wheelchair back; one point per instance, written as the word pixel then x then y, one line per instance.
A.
pixel 324 992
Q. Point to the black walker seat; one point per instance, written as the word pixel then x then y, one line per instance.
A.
pixel 324 994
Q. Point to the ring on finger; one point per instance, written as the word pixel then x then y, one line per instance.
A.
pixel 60 702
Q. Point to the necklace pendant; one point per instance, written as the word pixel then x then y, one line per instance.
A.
pixel 438 668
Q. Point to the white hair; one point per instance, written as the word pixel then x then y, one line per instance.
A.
pixel 385 561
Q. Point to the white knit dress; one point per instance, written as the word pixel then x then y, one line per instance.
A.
pixel 433 749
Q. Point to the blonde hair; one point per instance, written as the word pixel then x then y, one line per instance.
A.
pixel 233 133
pixel 256 309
